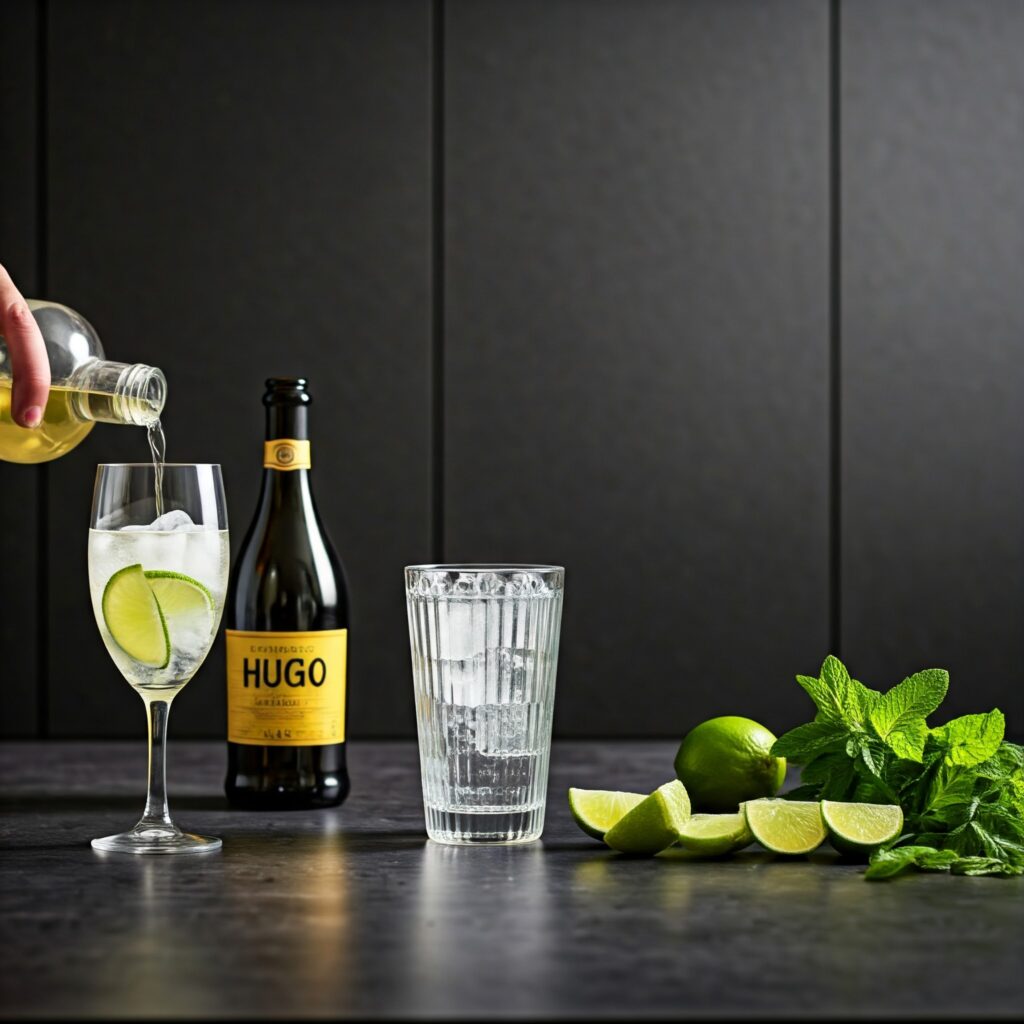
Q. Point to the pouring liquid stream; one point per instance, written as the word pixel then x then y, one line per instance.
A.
pixel 158 451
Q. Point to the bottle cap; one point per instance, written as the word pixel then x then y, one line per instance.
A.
pixel 287 391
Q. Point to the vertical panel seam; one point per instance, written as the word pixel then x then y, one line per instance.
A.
pixel 42 610
pixel 835 331
pixel 437 331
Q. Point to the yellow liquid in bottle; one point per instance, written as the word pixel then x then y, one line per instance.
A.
pixel 59 432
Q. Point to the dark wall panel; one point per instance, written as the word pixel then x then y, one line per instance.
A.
pixel 636 355
pixel 933 344
pixel 19 485
pixel 238 191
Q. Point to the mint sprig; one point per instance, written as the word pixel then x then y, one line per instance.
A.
pixel 961 786
pixel 899 716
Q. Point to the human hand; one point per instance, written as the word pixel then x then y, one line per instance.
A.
pixel 30 368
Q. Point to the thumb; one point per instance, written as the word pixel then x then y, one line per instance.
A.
pixel 30 367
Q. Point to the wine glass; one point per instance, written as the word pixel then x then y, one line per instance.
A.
pixel 158 571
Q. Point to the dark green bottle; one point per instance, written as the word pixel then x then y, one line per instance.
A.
pixel 287 632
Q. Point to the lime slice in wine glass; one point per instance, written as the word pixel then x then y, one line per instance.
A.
pixel 188 611
pixel 133 616
pixel 179 595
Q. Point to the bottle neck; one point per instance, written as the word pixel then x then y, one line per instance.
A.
pixel 131 393
pixel 287 422
pixel 286 453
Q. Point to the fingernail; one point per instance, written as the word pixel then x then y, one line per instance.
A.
pixel 32 416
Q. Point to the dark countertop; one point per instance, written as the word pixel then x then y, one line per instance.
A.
pixel 353 912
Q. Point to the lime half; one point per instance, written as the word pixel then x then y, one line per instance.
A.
pixel 714 835
pixel 654 824
pixel 133 616
pixel 786 826
pixel 597 810
pixel 859 828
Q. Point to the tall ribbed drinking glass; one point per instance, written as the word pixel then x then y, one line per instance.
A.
pixel 484 644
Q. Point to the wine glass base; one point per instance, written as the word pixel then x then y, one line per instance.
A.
pixel 148 841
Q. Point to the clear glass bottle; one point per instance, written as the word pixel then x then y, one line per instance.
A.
pixel 85 389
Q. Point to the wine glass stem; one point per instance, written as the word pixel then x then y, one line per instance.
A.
pixel 157 812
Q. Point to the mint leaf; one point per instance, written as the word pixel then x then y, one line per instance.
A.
pixel 883 867
pixel 839 686
pixel 872 766
pixel 823 767
pixel 805 792
pixel 948 822
pixel 1003 775
pixel 1000 834
pixel 985 866
pixel 888 863
pixel 840 700
pixel 873 757
pixel 824 700
pixel 913 779
pixel 949 787
pixel 1005 763
pixel 834 774
pixel 867 791
pixel 971 739
pixel 936 860
pixel 899 716
pixel 805 742
pixel 961 840
pixel 907 740
pixel 865 699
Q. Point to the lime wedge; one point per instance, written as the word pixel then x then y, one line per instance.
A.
pixel 654 824
pixel 596 810
pixel 133 616
pixel 786 826
pixel 714 835
pixel 181 597
pixel 858 828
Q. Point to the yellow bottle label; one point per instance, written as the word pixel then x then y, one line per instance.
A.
pixel 285 453
pixel 286 689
